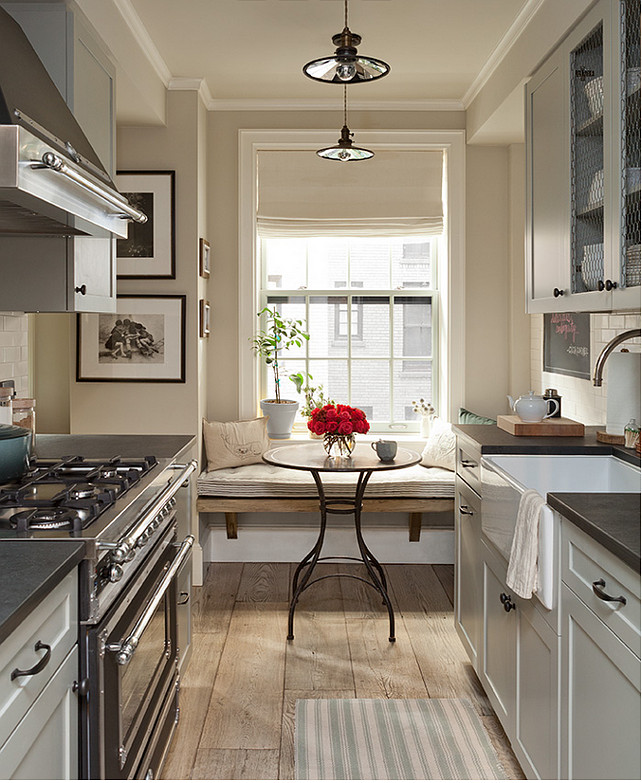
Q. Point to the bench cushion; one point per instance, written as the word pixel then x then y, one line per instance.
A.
pixel 267 481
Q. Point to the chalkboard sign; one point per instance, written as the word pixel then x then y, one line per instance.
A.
pixel 567 344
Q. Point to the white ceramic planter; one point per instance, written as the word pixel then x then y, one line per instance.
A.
pixel 281 417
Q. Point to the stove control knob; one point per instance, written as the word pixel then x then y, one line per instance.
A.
pixel 115 573
pixel 142 539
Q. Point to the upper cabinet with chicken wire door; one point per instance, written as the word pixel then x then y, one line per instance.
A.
pixel 583 167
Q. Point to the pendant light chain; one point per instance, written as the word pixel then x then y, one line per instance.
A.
pixel 345 4
pixel 345 102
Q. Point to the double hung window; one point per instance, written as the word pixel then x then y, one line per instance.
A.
pixel 370 305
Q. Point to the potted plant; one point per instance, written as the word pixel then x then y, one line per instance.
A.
pixel 279 334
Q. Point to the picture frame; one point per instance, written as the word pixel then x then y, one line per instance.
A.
pixel 204 258
pixel 149 252
pixel 143 342
pixel 204 313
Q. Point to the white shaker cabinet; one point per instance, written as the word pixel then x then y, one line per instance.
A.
pixel 600 662
pixel 583 164
pixel 38 706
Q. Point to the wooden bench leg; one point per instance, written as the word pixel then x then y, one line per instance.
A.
pixel 232 524
pixel 414 526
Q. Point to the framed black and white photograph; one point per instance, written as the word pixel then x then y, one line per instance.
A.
pixel 204 318
pixel 204 258
pixel 150 248
pixel 144 341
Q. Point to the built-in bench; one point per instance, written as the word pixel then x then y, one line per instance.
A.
pixel 416 490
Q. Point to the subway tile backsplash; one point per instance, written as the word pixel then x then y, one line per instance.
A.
pixel 14 350
pixel 580 399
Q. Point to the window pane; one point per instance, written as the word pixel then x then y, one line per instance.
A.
pixel 411 267
pixel 369 264
pixel 285 263
pixel 371 387
pixel 333 376
pixel 373 339
pixel 290 307
pixel 411 380
pixel 328 326
pixel 327 262
pixel 413 329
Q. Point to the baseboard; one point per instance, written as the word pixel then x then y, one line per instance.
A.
pixel 283 544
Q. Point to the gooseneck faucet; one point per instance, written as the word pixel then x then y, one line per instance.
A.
pixel 606 352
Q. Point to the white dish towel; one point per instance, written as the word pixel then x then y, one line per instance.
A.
pixel 522 566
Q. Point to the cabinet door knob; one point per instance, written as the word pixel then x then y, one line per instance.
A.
pixel 465 510
pixel 611 285
pixel 600 285
pixel 558 292
pixel 507 602
pixel 81 289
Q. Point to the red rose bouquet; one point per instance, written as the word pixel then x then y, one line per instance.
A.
pixel 338 424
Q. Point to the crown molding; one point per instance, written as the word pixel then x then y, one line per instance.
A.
pixel 199 85
pixel 302 104
pixel 500 51
pixel 147 45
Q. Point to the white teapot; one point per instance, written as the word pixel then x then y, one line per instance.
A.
pixel 532 407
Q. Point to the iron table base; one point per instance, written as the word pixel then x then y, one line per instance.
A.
pixel 305 569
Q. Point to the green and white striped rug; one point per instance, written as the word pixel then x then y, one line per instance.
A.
pixel 392 739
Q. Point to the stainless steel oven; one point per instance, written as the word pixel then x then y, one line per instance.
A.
pixel 132 657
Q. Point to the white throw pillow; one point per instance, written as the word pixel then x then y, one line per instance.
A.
pixel 439 451
pixel 229 444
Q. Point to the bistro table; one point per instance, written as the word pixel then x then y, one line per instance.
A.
pixel 363 462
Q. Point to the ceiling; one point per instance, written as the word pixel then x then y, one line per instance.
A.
pixel 253 50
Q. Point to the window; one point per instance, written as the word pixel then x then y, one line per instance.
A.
pixel 370 307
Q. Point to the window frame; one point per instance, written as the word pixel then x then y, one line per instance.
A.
pixel 452 294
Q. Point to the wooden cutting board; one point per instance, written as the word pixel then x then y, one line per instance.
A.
pixel 548 428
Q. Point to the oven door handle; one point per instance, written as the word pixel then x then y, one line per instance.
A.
pixel 126 648
pixel 125 546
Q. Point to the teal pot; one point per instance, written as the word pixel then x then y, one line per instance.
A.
pixel 281 417
pixel 15 447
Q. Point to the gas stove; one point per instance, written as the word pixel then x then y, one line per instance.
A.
pixel 68 494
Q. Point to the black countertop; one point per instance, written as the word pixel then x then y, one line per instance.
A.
pixel 99 446
pixel 29 570
pixel 612 519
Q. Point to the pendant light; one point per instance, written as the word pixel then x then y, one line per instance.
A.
pixel 345 151
pixel 346 66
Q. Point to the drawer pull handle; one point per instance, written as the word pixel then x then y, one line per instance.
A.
pixel 465 510
pixel 597 589
pixel 183 599
pixel 506 600
pixel 468 463
pixel 38 667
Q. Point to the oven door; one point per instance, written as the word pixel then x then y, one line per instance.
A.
pixel 135 658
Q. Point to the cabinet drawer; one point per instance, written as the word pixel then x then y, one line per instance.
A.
pixel 469 463
pixel 585 564
pixel 54 623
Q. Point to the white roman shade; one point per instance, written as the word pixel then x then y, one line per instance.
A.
pixel 394 194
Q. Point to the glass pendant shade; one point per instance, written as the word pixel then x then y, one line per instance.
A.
pixel 346 66
pixel 345 151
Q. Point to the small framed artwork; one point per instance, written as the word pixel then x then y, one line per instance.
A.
pixel 204 318
pixel 149 252
pixel 204 258
pixel 144 341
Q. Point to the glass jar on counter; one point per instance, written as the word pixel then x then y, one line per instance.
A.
pixel 24 415
pixel 5 406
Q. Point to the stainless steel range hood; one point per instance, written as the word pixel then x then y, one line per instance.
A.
pixel 51 180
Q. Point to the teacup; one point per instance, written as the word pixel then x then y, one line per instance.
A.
pixel 386 449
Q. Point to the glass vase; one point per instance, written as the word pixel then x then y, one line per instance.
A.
pixel 338 445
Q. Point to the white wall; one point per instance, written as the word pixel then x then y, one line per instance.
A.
pixel 581 400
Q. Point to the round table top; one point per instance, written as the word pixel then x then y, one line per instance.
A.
pixel 311 456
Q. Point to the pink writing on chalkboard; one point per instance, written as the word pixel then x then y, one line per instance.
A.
pixel 564 324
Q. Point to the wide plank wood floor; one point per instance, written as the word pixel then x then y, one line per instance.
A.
pixel 240 688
